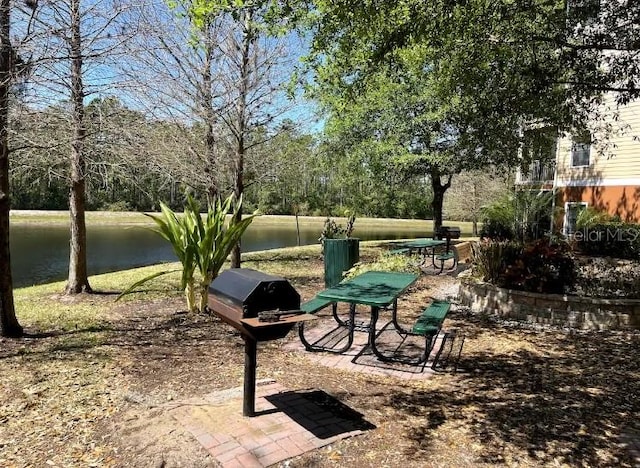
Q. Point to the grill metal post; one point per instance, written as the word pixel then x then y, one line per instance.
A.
pixel 238 296
pixel 250 363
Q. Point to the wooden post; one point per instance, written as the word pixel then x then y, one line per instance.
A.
pixel 250 363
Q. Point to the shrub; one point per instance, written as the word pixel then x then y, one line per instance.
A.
pixel 498 220
pixel 611 239
pixel 117 206
pixel 522 215
pixel 496 230
pixel 543 267
pixel 200 243
pixel 539 266
pixel 590 216
pixel 332 230
pixel 492 257
pixel 385 262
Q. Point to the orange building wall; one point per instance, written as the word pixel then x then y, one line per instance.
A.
pixel 623 201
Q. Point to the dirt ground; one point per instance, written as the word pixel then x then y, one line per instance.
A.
pixel 523 396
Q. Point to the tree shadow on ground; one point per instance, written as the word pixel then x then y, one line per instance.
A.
pixel 567 402
pixel 165 332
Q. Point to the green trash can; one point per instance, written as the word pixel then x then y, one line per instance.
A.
pixel 339 256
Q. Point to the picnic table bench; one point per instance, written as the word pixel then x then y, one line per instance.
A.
pixel 430 322
pixel 424 247
pixel 428 325
pixel 459 253
pixel 315 305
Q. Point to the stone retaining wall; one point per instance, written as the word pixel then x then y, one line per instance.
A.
pixel 572 311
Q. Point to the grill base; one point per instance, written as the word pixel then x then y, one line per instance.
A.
pixel 237 296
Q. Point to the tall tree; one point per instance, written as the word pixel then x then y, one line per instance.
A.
pixel 174 76
pixel 227 68
pixel 78 280
pixel 252 75
pixel 493 66
pixel 472 191
pixel 399 123
pixel 239 122
pixel 8 321
pixel 78 41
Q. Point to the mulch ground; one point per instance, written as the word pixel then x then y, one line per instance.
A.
pixel 522 397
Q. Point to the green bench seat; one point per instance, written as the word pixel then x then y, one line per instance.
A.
pixel 445 256
pixel 314 305
pixel 430 322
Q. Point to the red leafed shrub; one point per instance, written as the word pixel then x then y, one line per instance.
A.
pixel 543 267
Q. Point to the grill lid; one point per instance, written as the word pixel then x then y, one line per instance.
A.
pixel 449 232
pixel 254 291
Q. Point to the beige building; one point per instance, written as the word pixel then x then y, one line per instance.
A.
pixel 600 169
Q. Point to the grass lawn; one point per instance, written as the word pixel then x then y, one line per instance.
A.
pixel 316 222
pixel 87 387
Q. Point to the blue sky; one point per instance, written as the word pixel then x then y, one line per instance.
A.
pixel 102 77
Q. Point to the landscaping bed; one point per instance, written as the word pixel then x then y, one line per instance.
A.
pixel 90 385
pixel 607 277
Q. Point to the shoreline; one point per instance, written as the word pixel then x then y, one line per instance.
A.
pixel 132 218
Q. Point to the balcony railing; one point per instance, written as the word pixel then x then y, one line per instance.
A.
pixel 537 172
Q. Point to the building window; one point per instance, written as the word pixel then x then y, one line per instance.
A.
pixel 581 151
pixel 571 212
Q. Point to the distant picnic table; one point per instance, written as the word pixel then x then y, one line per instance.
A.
pixel 424 247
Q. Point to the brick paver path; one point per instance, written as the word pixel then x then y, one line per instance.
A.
pixel 360 358
pixel 288 424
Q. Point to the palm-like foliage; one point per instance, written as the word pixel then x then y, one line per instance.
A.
pixel 200 244
pixel 518 215
pixel 590 216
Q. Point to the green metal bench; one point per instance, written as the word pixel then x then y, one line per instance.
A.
pixel 315 305
pixel 461 252
pixel 446 256
pixel 430 322
pixel 428 326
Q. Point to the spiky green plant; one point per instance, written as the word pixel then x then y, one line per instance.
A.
pixel 490 258
pixel 200 244
pixel 515 215
pixel 590 216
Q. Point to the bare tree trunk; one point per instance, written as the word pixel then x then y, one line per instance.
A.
pixel 210 117
pixel 78 281
pixel 296 210
pixel 9 322
pixel 241 128
pixel 439 190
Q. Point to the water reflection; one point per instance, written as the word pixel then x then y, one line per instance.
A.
pixel 40 254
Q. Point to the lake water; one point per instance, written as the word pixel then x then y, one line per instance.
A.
pixel 40 254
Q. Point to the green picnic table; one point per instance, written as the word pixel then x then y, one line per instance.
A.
pixel 424 247
pixel 376 289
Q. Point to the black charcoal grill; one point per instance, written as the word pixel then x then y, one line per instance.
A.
pixel 262 307
pixel 448 233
